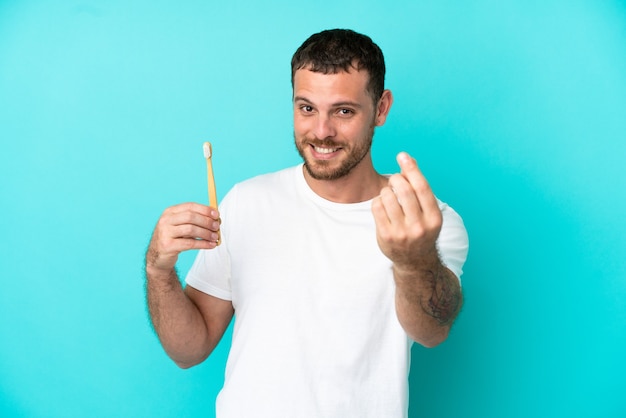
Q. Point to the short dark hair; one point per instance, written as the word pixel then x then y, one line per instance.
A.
pixel 335 50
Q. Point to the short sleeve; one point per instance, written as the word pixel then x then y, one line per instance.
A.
pixel 210 273
pixel 453 241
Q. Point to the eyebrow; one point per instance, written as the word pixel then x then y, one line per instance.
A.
pixel 338 104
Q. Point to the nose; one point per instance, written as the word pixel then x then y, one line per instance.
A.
pixel 324 127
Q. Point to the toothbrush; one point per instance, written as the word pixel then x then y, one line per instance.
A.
pixel 211 181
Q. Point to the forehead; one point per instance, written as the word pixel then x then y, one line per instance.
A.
pixel 344 85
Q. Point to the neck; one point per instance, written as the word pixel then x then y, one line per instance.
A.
pixel 360 185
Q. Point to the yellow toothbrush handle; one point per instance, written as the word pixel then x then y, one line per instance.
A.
pixel 211 183
pixel 208 153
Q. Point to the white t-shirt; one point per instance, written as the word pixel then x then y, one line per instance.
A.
pixel 316 332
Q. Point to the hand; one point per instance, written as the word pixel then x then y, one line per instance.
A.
pixel 407 216
pixel 182 227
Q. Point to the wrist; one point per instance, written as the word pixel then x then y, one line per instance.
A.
pixel 424 262
pixel 160 274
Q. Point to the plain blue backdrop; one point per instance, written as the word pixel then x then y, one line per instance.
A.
pixel 515 110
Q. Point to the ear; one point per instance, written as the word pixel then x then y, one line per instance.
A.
pixel 383 106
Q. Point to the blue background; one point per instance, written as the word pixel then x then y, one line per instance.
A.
pixel 515 110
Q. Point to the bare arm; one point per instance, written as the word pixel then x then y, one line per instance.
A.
pixel 189 323
pixel 408 222
pixel 428 299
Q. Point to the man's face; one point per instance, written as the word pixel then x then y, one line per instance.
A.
pixel 334 119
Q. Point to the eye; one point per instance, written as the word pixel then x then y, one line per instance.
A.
pixel 306 109
pixel 345 112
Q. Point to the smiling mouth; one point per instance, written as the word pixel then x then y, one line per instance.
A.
pixel 324 150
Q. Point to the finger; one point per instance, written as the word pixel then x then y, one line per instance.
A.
pixel 185 244
pixel 192 232
pixel 406 197
pixel 194 207
pixel 380 214
pixel 410 170
pixel 381 219
pixel 193 218
pixel 392 206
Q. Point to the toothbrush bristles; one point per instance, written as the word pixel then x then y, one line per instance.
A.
pixel 207 149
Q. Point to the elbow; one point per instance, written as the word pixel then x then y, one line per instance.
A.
pixel 188 363
pixel 432 343
pixel 184 365
pixel 432 339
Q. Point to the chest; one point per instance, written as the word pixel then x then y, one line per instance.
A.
pixel 306 255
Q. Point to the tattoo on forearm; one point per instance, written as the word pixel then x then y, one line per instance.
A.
pixel 445 302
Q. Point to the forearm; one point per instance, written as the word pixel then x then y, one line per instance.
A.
pixel 176 319
pixel 428 299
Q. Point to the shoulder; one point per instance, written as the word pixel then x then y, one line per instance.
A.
pixel 453 241
pixel 452 221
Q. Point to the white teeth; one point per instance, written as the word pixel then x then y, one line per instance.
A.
pixel 325 150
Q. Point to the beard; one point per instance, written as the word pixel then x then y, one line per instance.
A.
pixel 332 169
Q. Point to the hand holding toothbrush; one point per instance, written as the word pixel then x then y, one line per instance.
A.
pixel 185 227
pixel 188 226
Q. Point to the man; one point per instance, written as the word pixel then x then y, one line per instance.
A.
pixel 330 269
